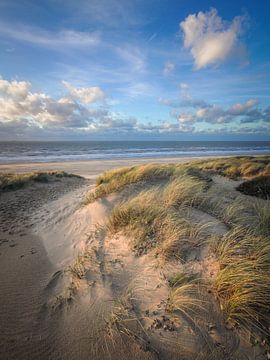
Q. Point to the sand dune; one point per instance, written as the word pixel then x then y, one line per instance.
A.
pixel 73 289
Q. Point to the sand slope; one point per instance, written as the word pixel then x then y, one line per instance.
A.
pixel 70 290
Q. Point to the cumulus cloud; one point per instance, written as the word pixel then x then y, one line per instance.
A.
pixel 18 104
pixel 237 109
pixel 16 89
pixel 24 112
pixel 192 112
pixel 168 68
pixel 85 95
pixel 210 39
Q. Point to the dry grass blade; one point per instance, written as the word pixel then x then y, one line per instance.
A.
pixel 243 284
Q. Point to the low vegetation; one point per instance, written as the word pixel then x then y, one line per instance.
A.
pixel 242 283
pixel 161 220
pixel 231 167
pixel 152 219
pixel 184 295
pixel 237 167
pixel 258 186
pixel 17 181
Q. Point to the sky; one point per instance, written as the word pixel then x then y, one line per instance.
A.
pixel 134 70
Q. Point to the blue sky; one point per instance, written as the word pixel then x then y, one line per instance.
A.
pixel 138 70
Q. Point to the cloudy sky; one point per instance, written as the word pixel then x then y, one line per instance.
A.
pixel 134 70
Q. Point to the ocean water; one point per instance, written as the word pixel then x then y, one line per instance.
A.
pixel 20 152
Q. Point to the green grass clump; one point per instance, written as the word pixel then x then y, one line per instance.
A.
pixel 232 167
pixel 149 223
pixel 184 190
pixel 243 282
pixel 139 221
pixel 261 218
pixel 184 295
pixel 181 278
pixel 237 167
pixel 17 181
pixel 258 186
pixel 115 180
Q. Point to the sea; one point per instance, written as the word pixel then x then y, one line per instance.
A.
pixel 58 151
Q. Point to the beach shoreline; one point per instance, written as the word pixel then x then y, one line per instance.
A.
pixel 91 168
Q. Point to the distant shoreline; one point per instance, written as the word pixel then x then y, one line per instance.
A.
pixel 92 168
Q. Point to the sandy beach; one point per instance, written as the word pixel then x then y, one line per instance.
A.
pixel 89 168
pixel 69 290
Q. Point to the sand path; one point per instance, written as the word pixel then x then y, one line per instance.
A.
pixel 25 270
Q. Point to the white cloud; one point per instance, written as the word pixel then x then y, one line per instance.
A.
pixel 168 68
pixel 86 95
pixel 200 111
pixel 24 112
pixel 18 104
pixel 237 109
pixel 210 39
pixel 16 89
pixel 57 40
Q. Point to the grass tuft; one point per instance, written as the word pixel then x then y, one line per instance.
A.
pixel 16 181
pixel 237 167
pixel 243 284
pixel 184 295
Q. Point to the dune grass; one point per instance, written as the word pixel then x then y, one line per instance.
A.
pixel 184 295
pixel 261 218
pixel 116 180
pixel 17 181
pixel 232 167
pixel 237 167
pixel 153 218
pixel 184 190
pixel 243 283
pixel 156 218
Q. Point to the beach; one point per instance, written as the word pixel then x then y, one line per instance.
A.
pixel 89 168
pixel 67 285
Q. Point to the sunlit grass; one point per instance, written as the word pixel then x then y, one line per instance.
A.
pixel 157 218
pixel 243 283
pixel 237 167
pixel 184 295
pixel 17 181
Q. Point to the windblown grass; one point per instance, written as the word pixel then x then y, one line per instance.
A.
pixel 183 191
pixel 184 295
pixel 140 222
pixel 243 283
pixel 261 220
pixel 116 180
pixel 17 181
pixel 156 219
pixel 150 219
pixel 232 167
pixel 237 167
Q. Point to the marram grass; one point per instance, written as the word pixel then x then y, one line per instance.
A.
pixel 243 283
pixel 17 181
